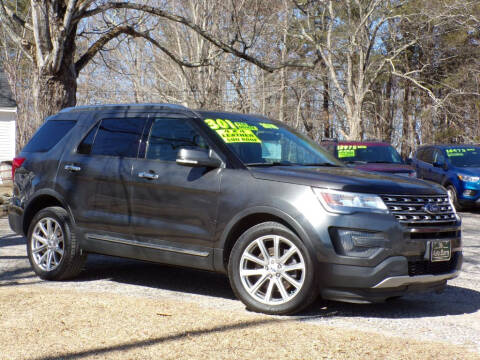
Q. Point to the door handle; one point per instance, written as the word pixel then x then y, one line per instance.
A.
pixel 73 168
pixel 147 175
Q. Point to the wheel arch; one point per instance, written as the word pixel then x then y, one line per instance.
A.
pixel 245 220
pixel 41 201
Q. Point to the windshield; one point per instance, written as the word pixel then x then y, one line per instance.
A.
pixel 464 157
pixel 260 142
pixel 369 154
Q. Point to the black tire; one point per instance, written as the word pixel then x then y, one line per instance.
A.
pixel 67 265
pixel 453 194
pixel 301 296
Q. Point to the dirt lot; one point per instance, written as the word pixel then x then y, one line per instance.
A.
pixel 127 309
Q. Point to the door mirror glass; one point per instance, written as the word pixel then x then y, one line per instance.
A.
pixel 197 158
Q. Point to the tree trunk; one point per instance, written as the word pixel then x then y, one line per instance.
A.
pixel 388 114
pixel 53 91
pixel 354 119
pixel 326 112
pixel 406 122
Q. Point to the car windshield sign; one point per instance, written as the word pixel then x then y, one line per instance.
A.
pixel 368 154
pixel 464 156
pixel 262 143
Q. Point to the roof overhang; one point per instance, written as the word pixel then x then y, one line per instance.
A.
pixel 8 109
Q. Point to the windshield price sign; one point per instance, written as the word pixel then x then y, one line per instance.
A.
pixel 458 151
pixel 348 150
pixel 238 132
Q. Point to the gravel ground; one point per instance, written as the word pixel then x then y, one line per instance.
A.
pixel 452 317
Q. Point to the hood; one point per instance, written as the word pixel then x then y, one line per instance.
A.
pixel 348 179
pixel 385 167
pixel 473 171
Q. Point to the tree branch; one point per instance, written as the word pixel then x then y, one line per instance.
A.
pixel 415 82
pixel 99 44
pixel 228 48
pixel 59 44
pixel 7 24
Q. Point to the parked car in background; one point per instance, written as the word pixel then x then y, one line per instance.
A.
pixel 456 167
pixel 373 156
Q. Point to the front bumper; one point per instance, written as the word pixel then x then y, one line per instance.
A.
pixel 402 266
pixel 393 277
pixel 468 199
pixel 399 281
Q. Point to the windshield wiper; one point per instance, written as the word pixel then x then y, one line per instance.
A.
pixel 320 164
pixel 381 162
pixel 270 164
pixel 355 162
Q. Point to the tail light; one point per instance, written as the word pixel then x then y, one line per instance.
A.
pixel 16 163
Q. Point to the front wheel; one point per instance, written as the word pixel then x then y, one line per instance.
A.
pixel 52 248
pixel 272 271
pixel 452 193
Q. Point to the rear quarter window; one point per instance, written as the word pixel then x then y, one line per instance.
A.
pixel 48 135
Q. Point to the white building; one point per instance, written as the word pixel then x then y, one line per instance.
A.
pixel 8 116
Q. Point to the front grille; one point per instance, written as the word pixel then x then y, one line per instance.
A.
pixel 425 267
pixel 410 210
pixel 435 235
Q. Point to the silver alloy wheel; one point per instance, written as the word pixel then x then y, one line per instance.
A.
pixel 272 270
pixel 47 244
pixel 451 194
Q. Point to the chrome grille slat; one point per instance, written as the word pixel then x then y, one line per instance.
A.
pixel 410 210
pixel 420 213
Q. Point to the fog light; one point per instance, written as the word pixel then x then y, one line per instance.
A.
pixel 469 193
pixel 358 243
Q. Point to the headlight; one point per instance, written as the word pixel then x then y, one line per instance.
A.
pixel 346 202
pixel 468 178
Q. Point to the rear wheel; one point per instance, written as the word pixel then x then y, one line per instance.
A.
pixel 271 270
pixel 52 247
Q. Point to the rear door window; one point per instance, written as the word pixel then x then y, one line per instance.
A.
pixel 420 153
pixel 428 155
pixel 48 135
pixel 114 137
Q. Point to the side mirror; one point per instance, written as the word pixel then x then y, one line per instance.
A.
pixel 408 161
pixel 439 164
pixel 197 158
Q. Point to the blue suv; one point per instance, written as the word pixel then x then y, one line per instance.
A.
pixel 456 167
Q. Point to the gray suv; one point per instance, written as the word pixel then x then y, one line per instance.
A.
pixel 232 193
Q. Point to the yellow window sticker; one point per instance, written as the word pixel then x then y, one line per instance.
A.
pixel 346 153
pixel 350 147
pixel 458 151
pixel 233 133
pixel 238 136
pixel 269 126
pixel 244 125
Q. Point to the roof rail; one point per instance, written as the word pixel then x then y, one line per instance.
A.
pixel 90 107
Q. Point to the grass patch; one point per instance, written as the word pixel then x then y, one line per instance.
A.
pixel 48 323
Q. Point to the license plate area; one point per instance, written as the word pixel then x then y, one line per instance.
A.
pixel 440 250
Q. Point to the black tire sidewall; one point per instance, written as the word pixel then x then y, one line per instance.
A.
pixel 61 216
pixel 308 291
